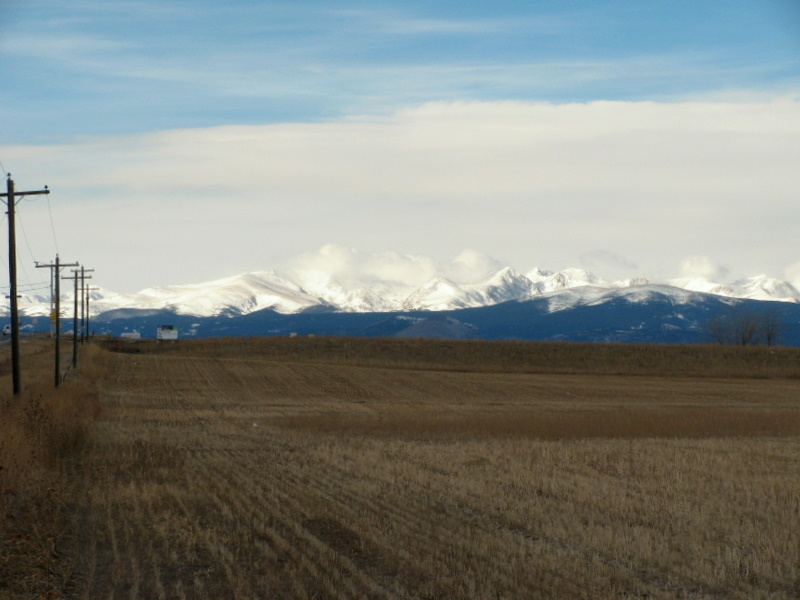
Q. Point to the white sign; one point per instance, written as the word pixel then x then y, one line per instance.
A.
pixel 166 332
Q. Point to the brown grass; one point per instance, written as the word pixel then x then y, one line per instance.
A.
pixel 38 430
pixel 228 469
pixel 570 425
pixel 507 357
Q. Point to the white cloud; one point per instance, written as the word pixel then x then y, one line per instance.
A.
pixel 793 274
pixel 703 266
pixel 345 264
pixel 535 184
pixel 470 266
pixel 380 22
pixel 608 265
pixel 349 264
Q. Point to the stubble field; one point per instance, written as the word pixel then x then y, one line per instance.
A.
pixel 219 473
pixel 289 469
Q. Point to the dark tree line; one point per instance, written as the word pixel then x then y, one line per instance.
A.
pixel 741 327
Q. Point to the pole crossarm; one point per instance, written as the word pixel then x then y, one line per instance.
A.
pixel 21 195
pixel 85 306
pixel 10 200
pixel 84 302
pixel 60 264
pixel 18 196
pixel 55 273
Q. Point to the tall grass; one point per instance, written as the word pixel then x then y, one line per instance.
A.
pixel 39 430
pixel 502 356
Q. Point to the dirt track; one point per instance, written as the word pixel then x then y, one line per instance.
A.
pixel 218 478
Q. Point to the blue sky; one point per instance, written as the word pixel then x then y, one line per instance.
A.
pixel 120 86
pixel 104 67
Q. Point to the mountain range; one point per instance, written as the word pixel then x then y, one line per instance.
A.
pixel 569 305
pixel 296 291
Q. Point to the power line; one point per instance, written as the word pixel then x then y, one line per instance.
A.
pixel 27 275
pixel 52 229
pixel 30 252
pixel 52 226
pixel 31 287
pixel 2 258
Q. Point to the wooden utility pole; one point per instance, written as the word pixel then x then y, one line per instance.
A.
pixel 11 203
pixel 75 278
pixel 84 302
pixel 55 271
pixel 88 290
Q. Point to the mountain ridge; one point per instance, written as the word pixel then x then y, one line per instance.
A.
pixel 645 314
pixel 294 291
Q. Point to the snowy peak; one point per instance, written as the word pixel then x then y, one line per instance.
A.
pixel 536 274
pixel 703 285
pixel 352 292
pixel 346 280
pixel 438 294
pixel 443 294
pixel 762 287
pixel 502 286
pixel 240 294
pixel 759 287
pixel 546 282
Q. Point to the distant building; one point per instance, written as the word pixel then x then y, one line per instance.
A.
pixel 166 332
pixel 131 335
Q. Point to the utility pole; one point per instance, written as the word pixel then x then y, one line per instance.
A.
pixel 11 203
pixel 75 277
pixel 54 282
pixel 84 301
pixel 55 275
pixel 88 290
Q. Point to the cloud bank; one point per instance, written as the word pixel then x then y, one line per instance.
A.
pixel 640 184
pixel 703 267
pixel 348 265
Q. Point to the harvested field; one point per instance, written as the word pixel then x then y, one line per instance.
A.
pixel 332 468
pixel 245 476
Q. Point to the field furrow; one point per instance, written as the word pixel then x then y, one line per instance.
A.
pixel 247 477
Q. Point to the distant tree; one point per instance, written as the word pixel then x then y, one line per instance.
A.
pixel 772 326
pixel 719 330
pixel 746 327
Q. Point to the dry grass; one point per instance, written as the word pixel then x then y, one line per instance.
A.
pixel 226 470
pixel 38 430
pixel 508 357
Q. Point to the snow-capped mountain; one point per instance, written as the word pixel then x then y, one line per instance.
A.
pixel 546 281
pixel 290 291
pixel 352 294
pixel 591 295
pixel 759 287
pixel 638 314
pixel 237 295
pixel 442 294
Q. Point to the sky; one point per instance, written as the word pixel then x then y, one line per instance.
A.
pixel 185 141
